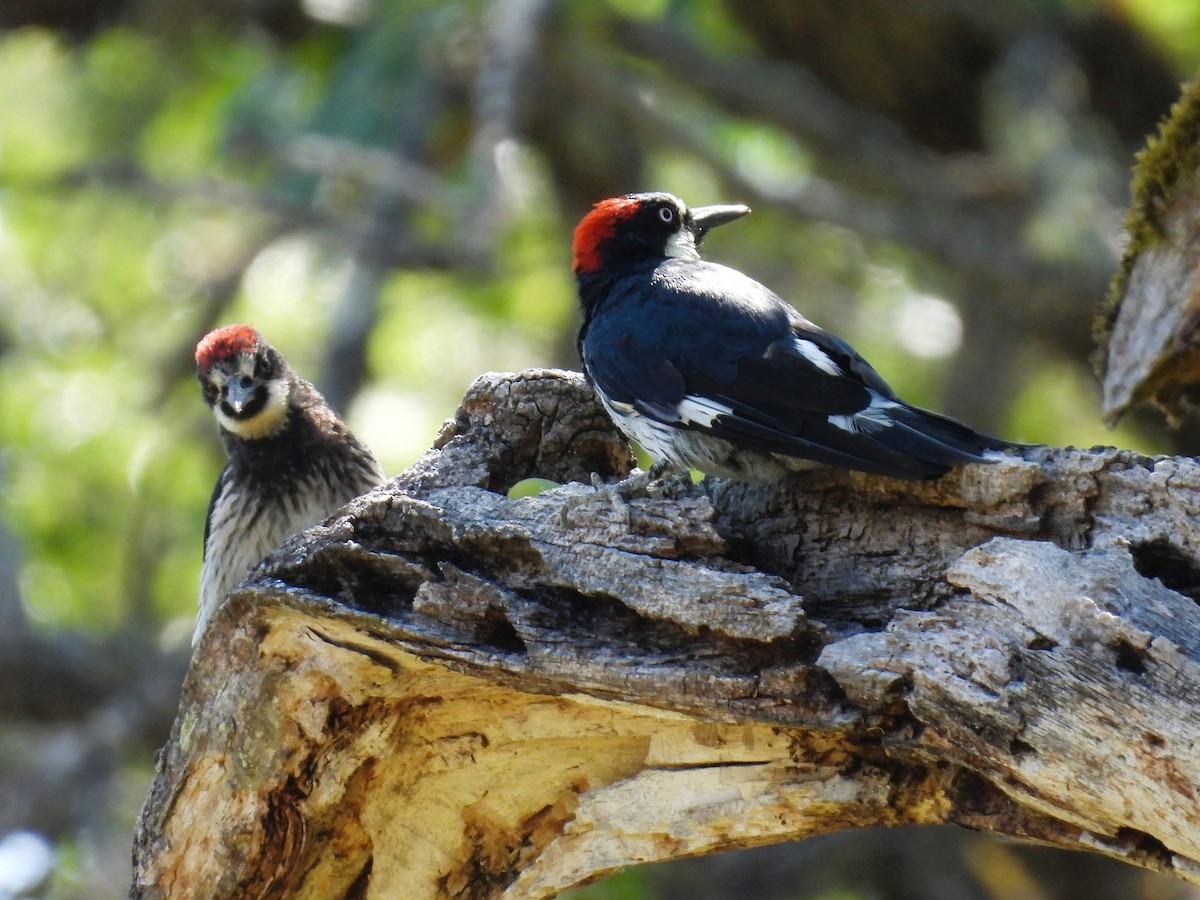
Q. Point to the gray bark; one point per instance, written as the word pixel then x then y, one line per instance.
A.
pixel 443 691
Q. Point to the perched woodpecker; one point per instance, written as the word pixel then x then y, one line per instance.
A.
pixel 291 463
pixel 708 369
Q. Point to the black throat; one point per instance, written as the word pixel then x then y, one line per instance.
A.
pixel 594 288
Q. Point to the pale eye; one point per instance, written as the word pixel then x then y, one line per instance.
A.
pixel 666 214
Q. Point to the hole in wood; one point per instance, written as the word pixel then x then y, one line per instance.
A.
pixel 1018 747
pixel 1130 658
pixel 1170 564
pixel 1041 642
pixel 496 631
pixel 1145 846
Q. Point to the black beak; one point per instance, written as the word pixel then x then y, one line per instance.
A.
pixel 706 217
pixel 238 395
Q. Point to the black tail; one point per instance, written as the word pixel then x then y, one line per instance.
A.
pixel 938 440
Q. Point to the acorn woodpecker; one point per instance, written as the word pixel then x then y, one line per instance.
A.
pixel 291 463
pixel 708 369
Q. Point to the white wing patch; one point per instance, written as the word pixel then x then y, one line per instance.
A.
pixel 817 357
pixel 875 415
pixel 656 438
pixel 616 407
pixel 696 410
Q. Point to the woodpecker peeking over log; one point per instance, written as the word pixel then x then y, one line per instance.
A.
pixel 708 369
pixel 292 461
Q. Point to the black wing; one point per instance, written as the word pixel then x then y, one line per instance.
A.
pixel 218 489
pixel 710 350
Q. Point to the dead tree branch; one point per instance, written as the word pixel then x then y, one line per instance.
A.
pixel 448 692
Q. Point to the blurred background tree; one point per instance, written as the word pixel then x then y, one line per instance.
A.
pixel 387 191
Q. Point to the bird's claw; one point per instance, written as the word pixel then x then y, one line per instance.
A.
pixel 662 479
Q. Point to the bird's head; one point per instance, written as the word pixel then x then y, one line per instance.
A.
pixel 244 381
pixel 640 227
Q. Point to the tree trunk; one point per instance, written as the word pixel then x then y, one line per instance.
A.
pixel 447 692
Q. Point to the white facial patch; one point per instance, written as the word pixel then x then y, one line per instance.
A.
pixel 701 410
pixel 817 356
pixel 682 245
pixel 268 421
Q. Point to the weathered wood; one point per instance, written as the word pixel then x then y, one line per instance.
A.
pixel 1149 334
pixel 445 692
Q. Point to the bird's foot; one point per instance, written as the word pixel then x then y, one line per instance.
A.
pixel 662 479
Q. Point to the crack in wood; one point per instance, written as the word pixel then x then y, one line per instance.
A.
pixel 378 657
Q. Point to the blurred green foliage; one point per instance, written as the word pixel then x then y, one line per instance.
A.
pixel 629 884
pixel 137 172
pixel 157 183
pixel 127 194
pixel 1172 23
pixel 531 487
